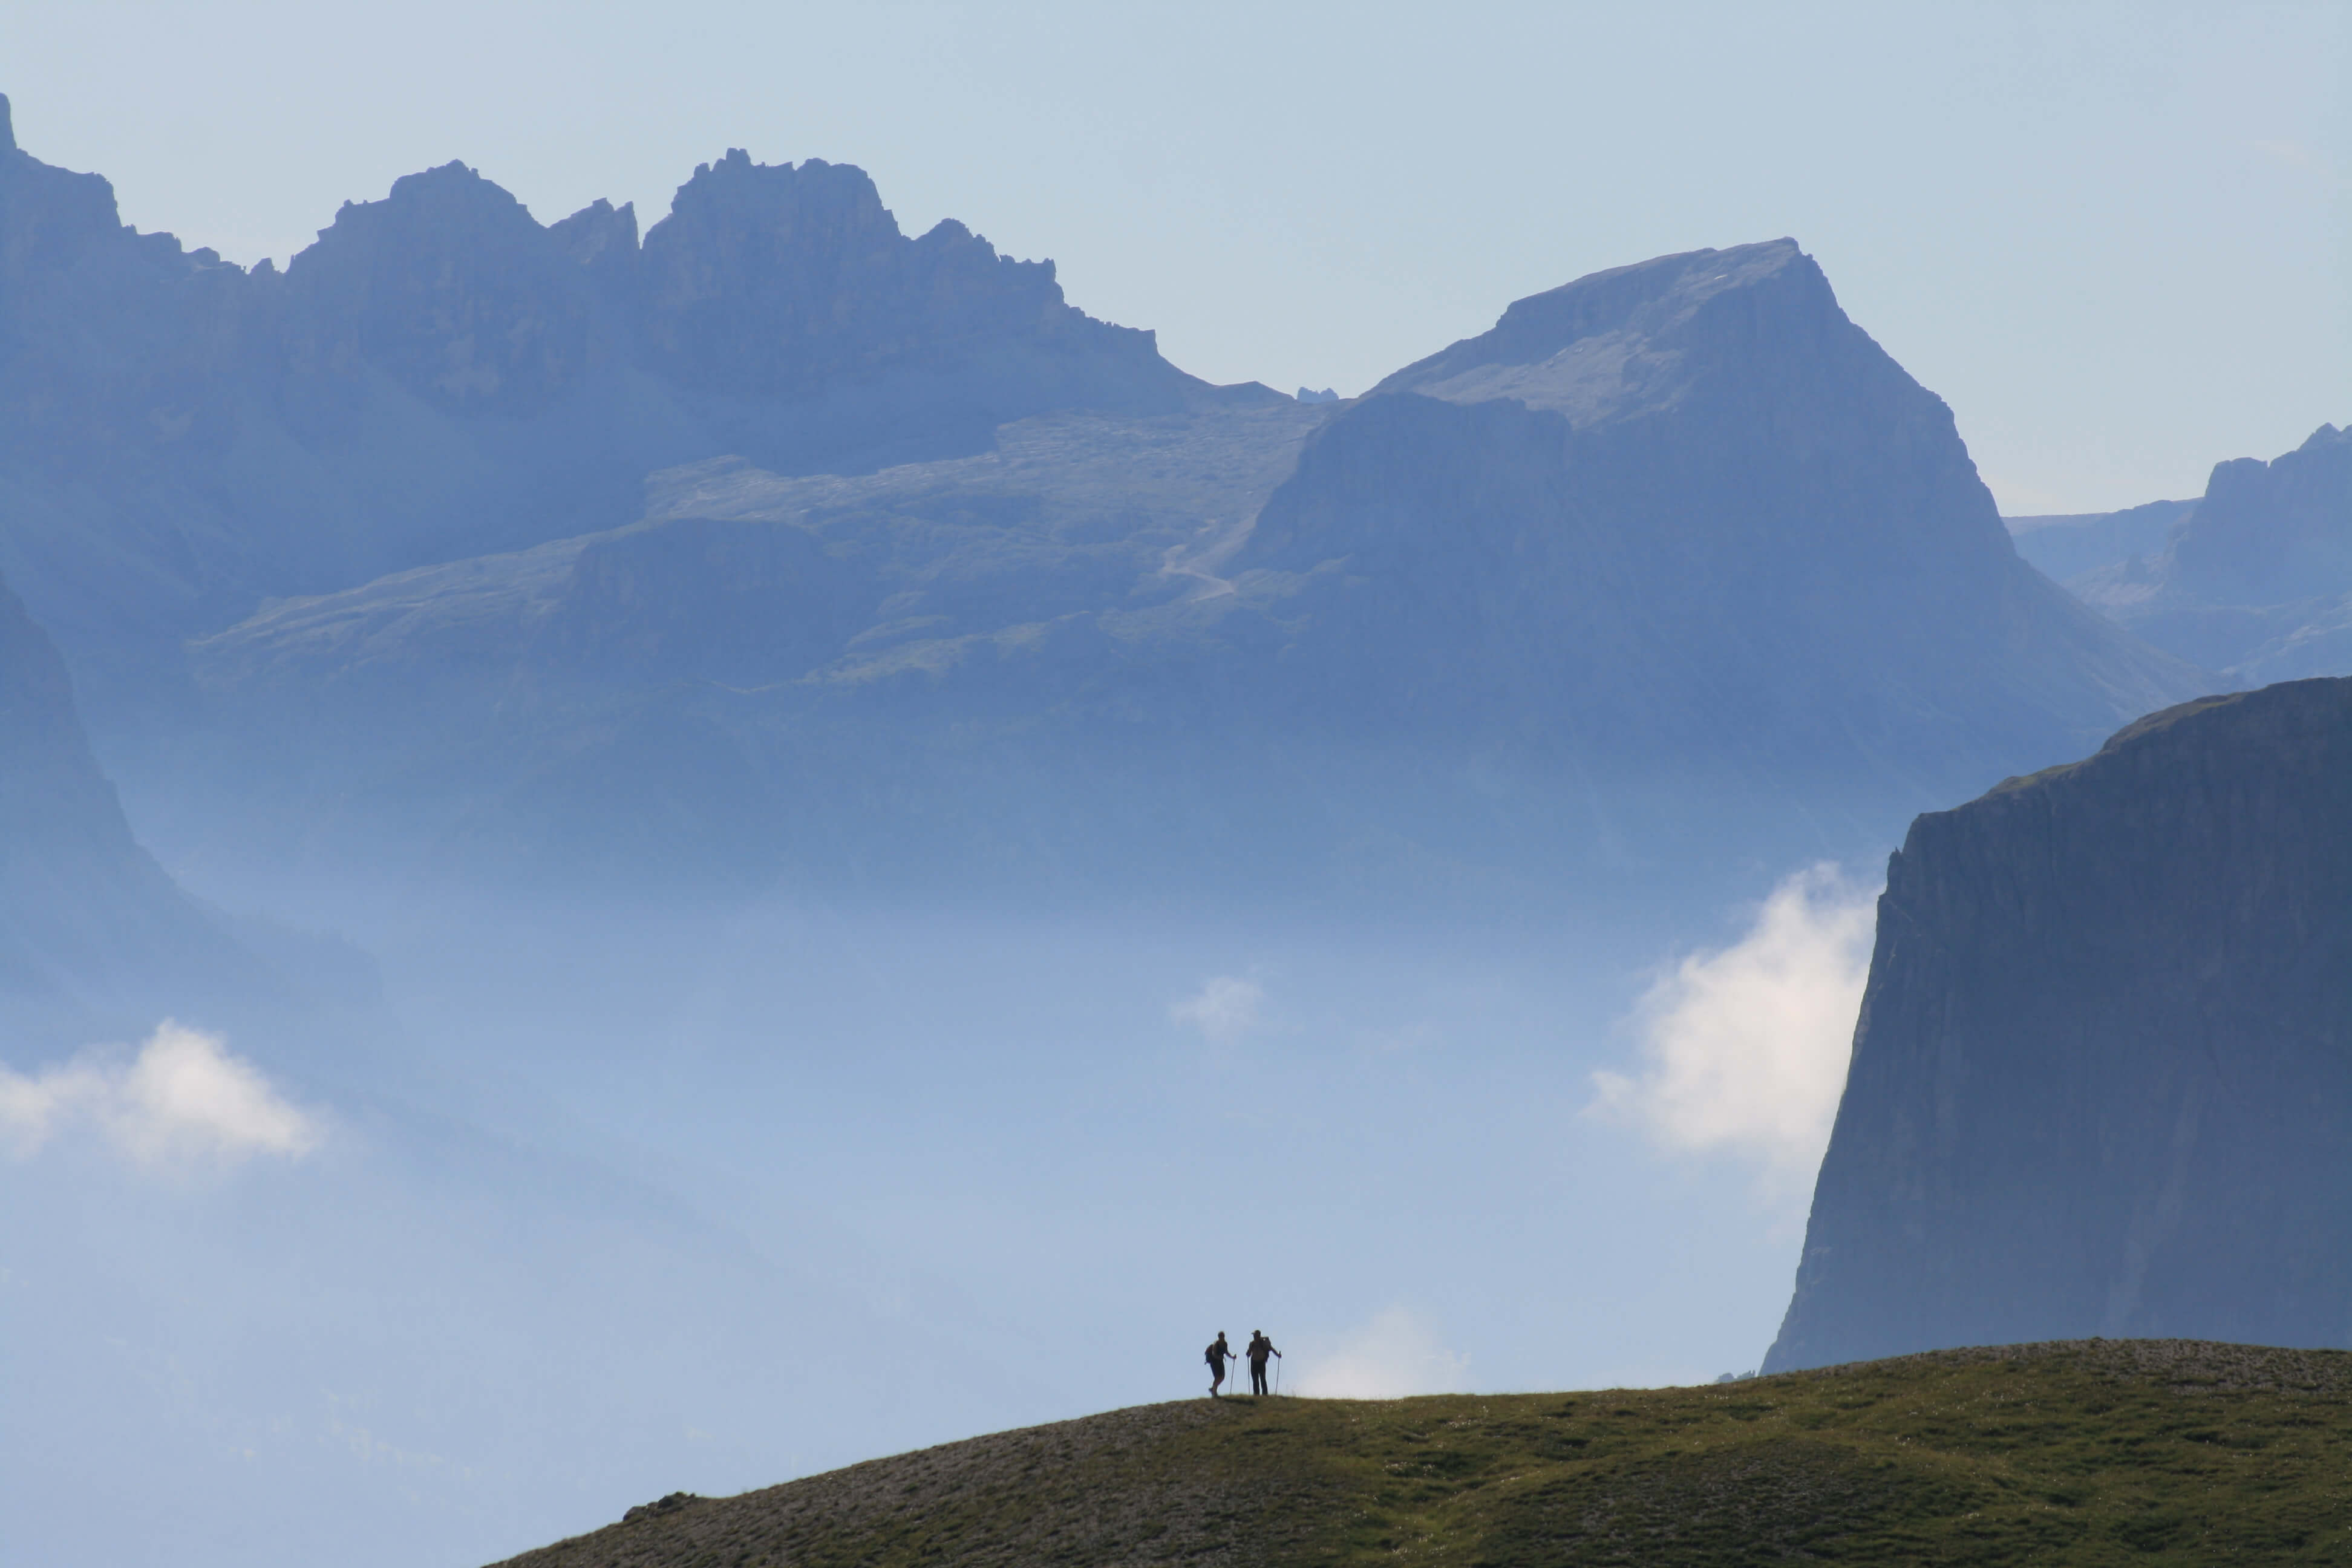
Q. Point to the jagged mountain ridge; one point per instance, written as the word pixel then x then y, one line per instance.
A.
pixel 2255 579
pixel 441 375
pixel 2099 1085
pixel 1671 535
pixel 1674 554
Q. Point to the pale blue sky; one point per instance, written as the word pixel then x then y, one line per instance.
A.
pixel 2116 238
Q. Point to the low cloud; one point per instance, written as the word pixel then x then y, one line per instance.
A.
pixel 1224 1008
pixel 181 1098
pixel 1744 1050
pixel 1395 1354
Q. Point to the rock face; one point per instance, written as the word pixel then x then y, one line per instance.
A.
pixel 2101 1082
pixel 2256 579
pixel 778 283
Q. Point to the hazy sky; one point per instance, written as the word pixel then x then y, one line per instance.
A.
pixel 2117 239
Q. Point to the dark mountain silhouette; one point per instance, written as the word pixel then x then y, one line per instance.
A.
pixel 2100 1083
pixel 2255 579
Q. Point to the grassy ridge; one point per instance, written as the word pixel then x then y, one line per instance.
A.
pixel 2084 1452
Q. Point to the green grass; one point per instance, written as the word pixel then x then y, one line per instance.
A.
pixel 2097 1452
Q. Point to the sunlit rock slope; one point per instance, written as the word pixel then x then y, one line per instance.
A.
pixel 2103 1078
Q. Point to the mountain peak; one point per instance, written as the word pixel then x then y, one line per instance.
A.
pixel 8 126
pixel 768 281
pixel 1582 348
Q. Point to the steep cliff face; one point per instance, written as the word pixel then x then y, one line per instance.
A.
pixel 2101 1082
pixel 2256 579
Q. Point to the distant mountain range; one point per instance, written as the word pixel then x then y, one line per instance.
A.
pixel 776 545
pixel 2100 1083
pixel 1673 536
pixel 2065 546
pixel 2252 580
pixel 440 376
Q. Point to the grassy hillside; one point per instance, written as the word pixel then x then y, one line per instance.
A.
pixel 2143 1451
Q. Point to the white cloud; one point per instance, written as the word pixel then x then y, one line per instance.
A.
pixel 1395 1354
pixel 1224 1008
pixel 182 1098
pixel 1745 1051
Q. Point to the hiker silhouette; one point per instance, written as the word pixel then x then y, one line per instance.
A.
pixel 1216 1355
pixel 1260 1347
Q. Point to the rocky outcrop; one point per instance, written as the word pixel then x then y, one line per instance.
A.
pixel 775 282
pixel 2101 1082
pixel 449 288
pixel 2256 579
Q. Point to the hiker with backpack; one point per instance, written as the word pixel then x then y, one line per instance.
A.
pixel 1217 1355
pixel 1260 1347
